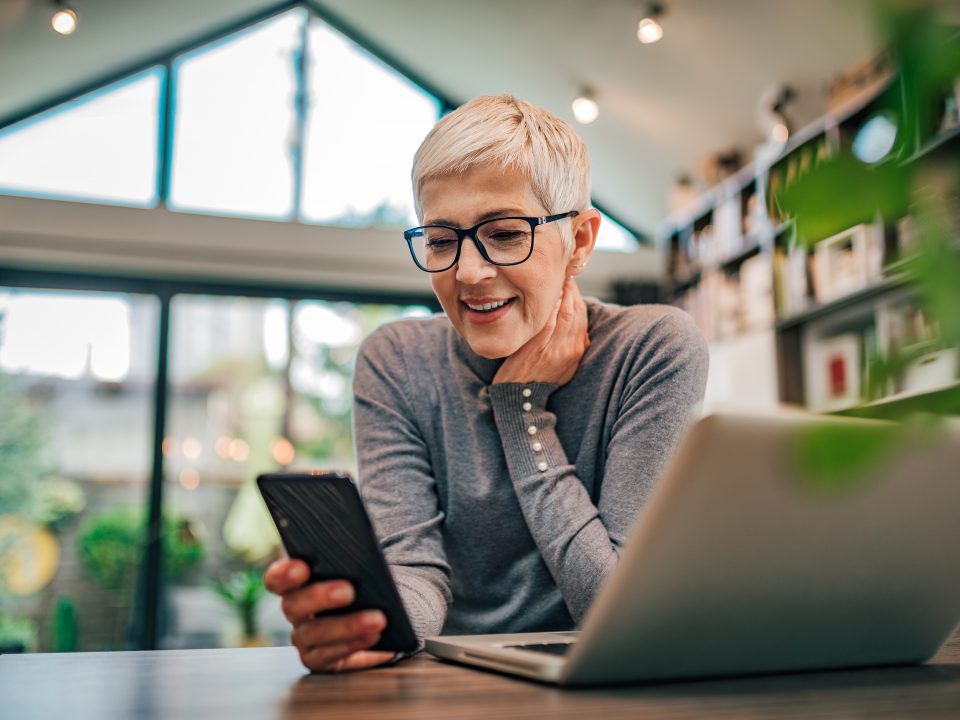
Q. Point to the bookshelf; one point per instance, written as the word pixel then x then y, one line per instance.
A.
pixel 840 300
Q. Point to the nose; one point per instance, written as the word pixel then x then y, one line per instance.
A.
pixel 472 268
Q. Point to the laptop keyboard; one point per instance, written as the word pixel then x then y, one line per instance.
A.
pixel 551 648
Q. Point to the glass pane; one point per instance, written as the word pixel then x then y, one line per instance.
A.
pixel 614 236
pixel 234 122
pixel 257 385
pixel 364 123
pixel 77 375
pixel 101 147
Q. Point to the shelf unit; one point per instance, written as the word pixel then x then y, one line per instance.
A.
pixel 943 401
pixel 834 306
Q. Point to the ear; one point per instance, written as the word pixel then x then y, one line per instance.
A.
pixel 585 227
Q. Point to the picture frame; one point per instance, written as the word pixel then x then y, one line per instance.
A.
pixel 847 262
pixel 835 375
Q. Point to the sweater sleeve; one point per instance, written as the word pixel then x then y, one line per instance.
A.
pixel 579 541
pixel 397 483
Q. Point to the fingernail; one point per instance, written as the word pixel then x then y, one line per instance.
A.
pixel 297 574
pixel 341 594
pixel 374 620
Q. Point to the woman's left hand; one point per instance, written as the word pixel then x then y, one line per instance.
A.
pixel 552 355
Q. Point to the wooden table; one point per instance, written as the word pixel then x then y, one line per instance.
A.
pixel 270 683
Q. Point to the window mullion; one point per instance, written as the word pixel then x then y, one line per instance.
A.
pixel 300 100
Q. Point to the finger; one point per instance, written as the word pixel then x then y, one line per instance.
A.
pixel 551 325
pixel 285 575
pixel 567 313
pixel 331 658
pixel 538 342
pixel 338 629
pixel 366 658
pixel 304 603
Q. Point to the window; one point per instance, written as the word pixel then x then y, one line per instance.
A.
pixel 77 373
pixel 364 123
pixel 256 385
pixel 614 236
pixel 235 122
pixel 101 147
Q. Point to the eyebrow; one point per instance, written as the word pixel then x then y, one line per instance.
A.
pixel 501 212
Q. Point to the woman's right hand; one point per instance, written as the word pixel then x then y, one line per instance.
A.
pixel 326 644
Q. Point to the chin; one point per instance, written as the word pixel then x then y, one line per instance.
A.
pixel 491 350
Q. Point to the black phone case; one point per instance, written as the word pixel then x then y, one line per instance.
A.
pixel 322 521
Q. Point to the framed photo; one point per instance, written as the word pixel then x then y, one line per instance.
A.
pixel 834 378
pixel 847 262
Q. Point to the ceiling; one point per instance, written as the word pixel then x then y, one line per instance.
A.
pixel 663 107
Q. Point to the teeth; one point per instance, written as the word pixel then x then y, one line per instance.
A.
pixel 486 307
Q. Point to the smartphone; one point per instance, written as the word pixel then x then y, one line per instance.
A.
pixel 322 521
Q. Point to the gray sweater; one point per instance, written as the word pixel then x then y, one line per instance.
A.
pixel 496 516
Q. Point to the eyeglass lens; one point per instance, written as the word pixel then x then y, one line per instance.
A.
pixel 505 240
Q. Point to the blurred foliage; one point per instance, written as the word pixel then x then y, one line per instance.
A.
pixel 21 449
pixel 840 456
pixel 110 546
pixel 842 191
pixel 21 466
pixel 927 54
pixel 17 633
pixel 65 625
pixel 937 266
pixel 57 502
pixel 242 591
pixel 112 543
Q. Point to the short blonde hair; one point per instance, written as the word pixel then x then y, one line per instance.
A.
pixel 510 132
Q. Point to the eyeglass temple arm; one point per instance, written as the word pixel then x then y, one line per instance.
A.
pixel 561 216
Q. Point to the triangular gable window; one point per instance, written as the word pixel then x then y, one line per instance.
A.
pixel 236 122
pixel 364 123
pixel 101 147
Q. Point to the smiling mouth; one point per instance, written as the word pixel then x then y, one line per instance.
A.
pixel 490 306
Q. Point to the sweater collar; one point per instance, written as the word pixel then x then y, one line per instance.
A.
pixel 484 368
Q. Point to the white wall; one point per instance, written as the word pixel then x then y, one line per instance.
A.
pixel 743 373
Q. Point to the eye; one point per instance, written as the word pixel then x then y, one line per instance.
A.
pixel 439 243
pixel 507 235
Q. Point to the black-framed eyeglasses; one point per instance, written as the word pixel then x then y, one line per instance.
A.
pixel 501 241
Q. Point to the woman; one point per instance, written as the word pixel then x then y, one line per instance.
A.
pixel 505 448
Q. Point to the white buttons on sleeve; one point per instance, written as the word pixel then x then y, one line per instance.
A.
pixel 536 446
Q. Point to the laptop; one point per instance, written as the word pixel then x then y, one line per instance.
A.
pixel 771 544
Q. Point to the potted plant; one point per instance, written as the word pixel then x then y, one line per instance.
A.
pixel 111 547
pixel 242 591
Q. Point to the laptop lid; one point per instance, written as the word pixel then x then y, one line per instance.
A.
pixel 786 542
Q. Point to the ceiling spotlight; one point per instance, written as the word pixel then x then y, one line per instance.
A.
pixel 64 20
pixel 585 108
pixel 649 30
